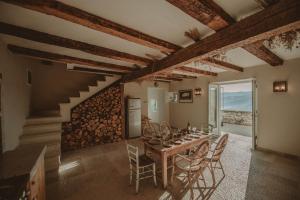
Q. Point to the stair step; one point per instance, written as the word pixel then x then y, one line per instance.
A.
pixel 42 120
pixel 52 163
pixel 41 128
pixel 47 113
pixel 40 138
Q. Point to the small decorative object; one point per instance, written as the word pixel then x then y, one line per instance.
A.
pixel 172 97
pixel 185 96
pixel 280 86
pixel 197 91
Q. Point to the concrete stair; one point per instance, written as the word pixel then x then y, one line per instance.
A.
pixel 65 108
pixel 44 130
pixel 45 127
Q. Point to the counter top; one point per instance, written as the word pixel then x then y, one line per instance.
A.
pixel 21 161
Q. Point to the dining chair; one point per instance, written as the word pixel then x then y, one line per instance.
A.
pixel 140 166
pixel 192 167
pixel 165 130
pixel 148 130
pixel 214 156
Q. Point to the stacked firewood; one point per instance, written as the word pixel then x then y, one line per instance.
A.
pixel 97 120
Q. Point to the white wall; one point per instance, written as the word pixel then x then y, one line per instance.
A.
pixel 140 90
pixel 15 96
pixel 279 114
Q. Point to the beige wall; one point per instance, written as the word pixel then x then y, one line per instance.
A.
pixel 196 112
pixel 53 84
pixel 279 114
pixel 140 90
pixel 15 96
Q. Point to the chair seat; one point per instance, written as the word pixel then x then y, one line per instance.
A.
pixel 211 158
pixel 185 165
pixel 145 160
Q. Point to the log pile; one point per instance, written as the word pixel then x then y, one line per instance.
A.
pixel 97 120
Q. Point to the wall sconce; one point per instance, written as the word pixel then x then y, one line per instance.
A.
pixel 197 91
pixel 280 86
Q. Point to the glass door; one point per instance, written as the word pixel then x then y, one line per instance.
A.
pixel 213 108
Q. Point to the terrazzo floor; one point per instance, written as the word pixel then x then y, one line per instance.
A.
pixel 102 172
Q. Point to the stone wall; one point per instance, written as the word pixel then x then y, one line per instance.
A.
pixel 236 117
pixel 97 120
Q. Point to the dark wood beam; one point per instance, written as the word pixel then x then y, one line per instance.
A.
pixel 221 64
pixel 196 71
pixel 163 81
pixel 167 78
pixel 279 18
pixel 266 3
pixel 205 11
pixel 95 71
pixel 183 76
pixel 81 17
pixel 259 50
pixel 37 36
pixel 65 59
pixel 212 15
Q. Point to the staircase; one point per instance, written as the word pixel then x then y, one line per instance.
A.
pixel 44 130
pixel 45 127
pixel 65 108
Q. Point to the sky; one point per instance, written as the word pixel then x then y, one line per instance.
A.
pixel 238 87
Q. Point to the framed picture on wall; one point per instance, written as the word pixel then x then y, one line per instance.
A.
pixel 185 96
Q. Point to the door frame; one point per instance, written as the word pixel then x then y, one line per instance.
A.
pixel 254 105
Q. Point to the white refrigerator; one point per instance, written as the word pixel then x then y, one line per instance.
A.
pixel 133 118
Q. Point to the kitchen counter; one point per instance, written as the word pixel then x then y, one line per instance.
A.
pixel 21 161
pixel 18 167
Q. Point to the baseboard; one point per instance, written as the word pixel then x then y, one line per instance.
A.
pixel 286 155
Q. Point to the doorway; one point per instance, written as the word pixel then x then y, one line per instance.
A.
pixel 233 109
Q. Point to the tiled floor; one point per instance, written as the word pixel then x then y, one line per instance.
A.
pixel 102 173
pixel 237 129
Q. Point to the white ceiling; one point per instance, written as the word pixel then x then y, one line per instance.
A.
pixel 157 18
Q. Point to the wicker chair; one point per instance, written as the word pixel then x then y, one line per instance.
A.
pixel 165 130
pixel 214 157
pixel 142 166
pixel 192 167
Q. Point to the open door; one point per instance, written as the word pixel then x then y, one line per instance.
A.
pixel 213 108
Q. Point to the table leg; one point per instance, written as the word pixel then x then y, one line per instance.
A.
pixel 164 169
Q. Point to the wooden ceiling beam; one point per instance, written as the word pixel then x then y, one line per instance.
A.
pixel 205 11
pixel 274 20
pixel 66 59
pixel 266 3
pixel 95 71
pixel 259 50
pixel 183 76
pixel 212 15
pixel 81 17
pixel 167 78
pixel 196 71
pixel 221 64
pixel 46 38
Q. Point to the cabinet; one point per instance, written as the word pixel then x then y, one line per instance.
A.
pixel 36 184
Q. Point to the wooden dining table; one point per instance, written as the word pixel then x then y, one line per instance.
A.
pixel 165 152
